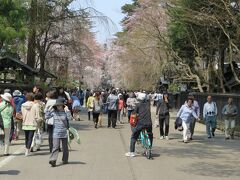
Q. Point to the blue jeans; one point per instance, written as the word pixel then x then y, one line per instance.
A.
pixel 136 132
pixel 210 124
pixel 129 114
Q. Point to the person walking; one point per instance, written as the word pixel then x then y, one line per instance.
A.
pixel 97 108
pixel 185 114
pixel 229 113
pixel 90 105
pixel 210 116
pixel 163 116
pixel 76 107
pixel 196 109
pixel 6 113
pixel 39 117
pixel 18 101
pixel 29 124
pixel 131 104
pixel 87 95
pixel 120 109
pixel 125 97
pixel 143 112
pixel 51 97
pixel 61 115
pixel 112 102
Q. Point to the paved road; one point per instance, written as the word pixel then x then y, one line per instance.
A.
pixel 101 157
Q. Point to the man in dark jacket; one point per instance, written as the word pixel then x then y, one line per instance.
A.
pixel 112 102
pixel 143 112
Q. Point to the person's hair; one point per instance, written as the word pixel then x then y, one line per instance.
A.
pixel 97 95
pixel 38 87
pixel 53 93
pixel 29 96
pixel 38 96
pixel 55 107
pixel 190 99
pixel 114 92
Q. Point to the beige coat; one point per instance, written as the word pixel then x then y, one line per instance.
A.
pixel 29 114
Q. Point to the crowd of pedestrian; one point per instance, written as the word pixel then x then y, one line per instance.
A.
pixel 34 112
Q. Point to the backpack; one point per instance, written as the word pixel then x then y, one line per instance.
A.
pixel 96 106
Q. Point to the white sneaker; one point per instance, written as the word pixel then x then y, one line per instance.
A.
pixel 161 137
pixel 27 153
pixel 167 138
pixel 130 154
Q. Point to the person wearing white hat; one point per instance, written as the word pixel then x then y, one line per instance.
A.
pixel 6 112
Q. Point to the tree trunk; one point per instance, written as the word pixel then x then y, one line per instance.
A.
pixel 198 83
pixel 221 70
pixel 31 54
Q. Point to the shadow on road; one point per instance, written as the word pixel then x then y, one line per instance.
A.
pixel 72 163
pixel 76 162
pixel 229 169
pixel 10 172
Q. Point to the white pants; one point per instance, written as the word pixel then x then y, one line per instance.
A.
pixel 186 131
pixel 6 140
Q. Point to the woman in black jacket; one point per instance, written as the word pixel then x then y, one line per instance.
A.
pixel 163 115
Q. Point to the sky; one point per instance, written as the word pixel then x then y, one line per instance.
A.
pixel 109 8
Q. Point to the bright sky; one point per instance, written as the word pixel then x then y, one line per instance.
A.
pixel 111 9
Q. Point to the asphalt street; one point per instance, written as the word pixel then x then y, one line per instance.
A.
pixel 101 156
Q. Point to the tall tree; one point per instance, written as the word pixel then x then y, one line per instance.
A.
pixel 12 25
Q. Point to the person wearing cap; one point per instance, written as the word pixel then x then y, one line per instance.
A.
pixel 6 110
pixel 61 115
pixel 12 121
pixel 18 101
pixel 143 111
pixel 210 116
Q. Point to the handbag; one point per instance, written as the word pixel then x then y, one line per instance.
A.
pixel 19 116
pixel 38 138
pixel 178 124
pixel 50 121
